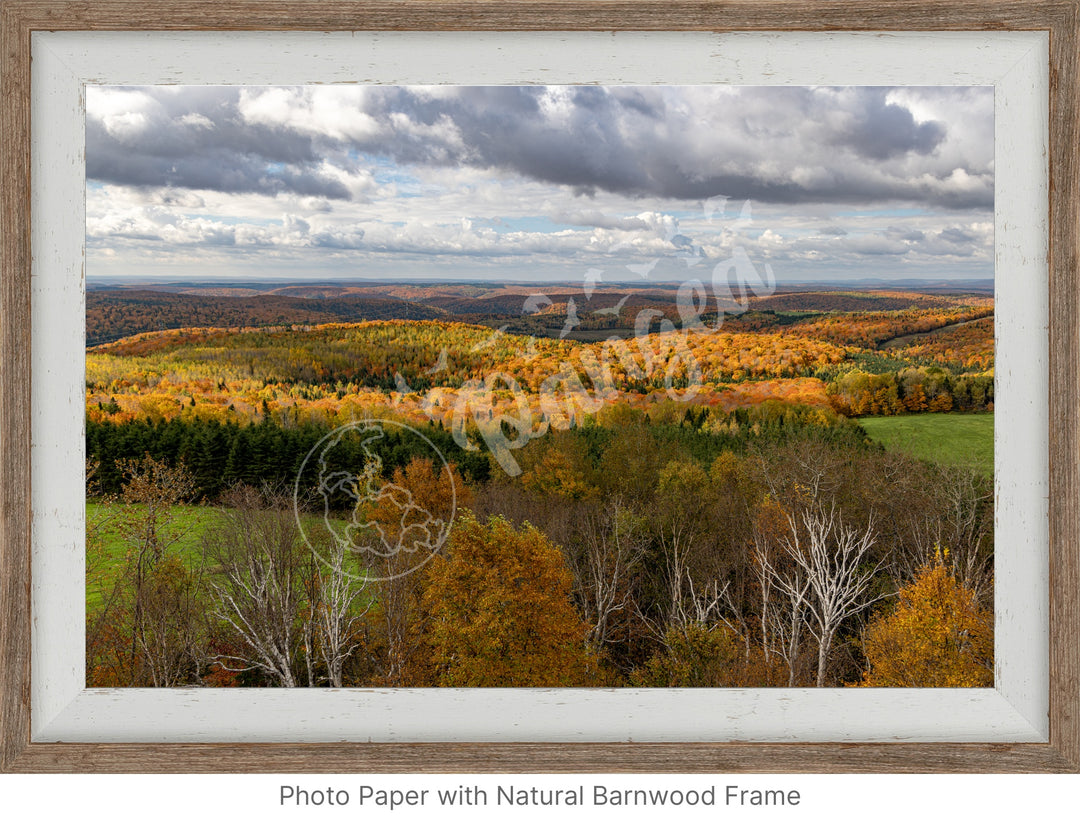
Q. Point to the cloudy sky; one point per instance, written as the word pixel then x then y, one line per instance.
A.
pixel 658 182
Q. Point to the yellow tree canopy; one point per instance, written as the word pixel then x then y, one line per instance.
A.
pixel 937 636
pixel 500 611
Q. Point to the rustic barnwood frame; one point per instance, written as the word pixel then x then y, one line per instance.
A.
pixel 1060 18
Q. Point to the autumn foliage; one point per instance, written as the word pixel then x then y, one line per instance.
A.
pixel 501 612
pixel 937 636
pixel 650 510
pixel 427 370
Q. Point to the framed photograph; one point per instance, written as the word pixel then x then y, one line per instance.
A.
pixel 539 386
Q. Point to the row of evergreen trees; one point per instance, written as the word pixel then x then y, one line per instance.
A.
pixel 221 454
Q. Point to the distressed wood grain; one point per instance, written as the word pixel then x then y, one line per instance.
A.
pixel 1064 387
pixel 547 758
pixel 18 18
pixel 550 15
pixel 14 386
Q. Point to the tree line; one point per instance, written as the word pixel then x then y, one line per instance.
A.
pixel 911 390
pixel 220 454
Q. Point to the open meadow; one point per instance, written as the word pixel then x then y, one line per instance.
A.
pixel 948 439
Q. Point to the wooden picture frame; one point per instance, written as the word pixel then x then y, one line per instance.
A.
pixel 19 19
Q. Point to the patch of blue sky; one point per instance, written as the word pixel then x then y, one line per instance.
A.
pixel 387 171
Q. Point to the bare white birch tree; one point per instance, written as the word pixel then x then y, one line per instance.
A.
pixel 339 617
pixel 831 573
pixel 782 621
pixel 260 592
pixel 613 545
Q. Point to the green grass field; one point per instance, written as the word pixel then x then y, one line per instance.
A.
pixel 108 543
pixel 108 547
pixel 952 439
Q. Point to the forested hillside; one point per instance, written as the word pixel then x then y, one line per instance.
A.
pixel 112 315
pixel 687 507
pixel 938 356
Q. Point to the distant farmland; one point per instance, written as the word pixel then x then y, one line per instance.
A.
pixel 949 439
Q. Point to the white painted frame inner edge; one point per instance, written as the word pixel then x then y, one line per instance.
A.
pixel 1015 710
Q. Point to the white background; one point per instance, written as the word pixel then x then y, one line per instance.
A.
pixel 878 801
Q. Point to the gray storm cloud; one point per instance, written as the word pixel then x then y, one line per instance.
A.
pixel 770 144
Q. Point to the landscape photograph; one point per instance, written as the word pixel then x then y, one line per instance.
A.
pixel 539 386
